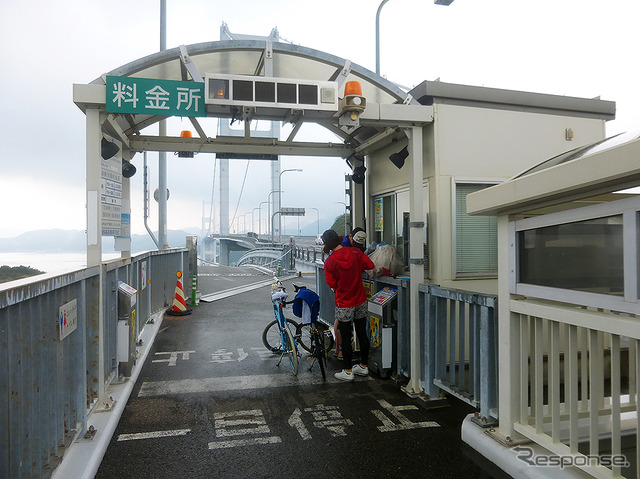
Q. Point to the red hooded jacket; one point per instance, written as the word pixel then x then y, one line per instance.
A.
pixel 343 272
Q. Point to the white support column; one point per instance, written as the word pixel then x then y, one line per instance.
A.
pixel 416 255
pixel 509 372
pixel 224 197
pixel 94 225
pixel 94 206
pixel 276 166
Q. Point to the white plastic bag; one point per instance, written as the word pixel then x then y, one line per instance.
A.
pixel 384 260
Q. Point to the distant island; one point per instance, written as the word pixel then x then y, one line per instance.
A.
pixel 8 273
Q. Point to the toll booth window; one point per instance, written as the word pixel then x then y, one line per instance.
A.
pixel 308 94
pixel 287 93
pixel 582 256
pixel 265 91
pixel 218 89
pixel 242 90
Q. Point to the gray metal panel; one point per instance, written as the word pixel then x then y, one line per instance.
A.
pixel 428 92
pixel 47 385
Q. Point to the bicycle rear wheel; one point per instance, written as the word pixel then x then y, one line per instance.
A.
pixel 319 351
pixel 291 350
pixel 303 336
pixel 271 336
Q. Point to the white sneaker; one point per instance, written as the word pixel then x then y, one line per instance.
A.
pixel 344 376
pixel 359 370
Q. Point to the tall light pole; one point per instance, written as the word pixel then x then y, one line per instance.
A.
pixel 162 156
pixel 260 216
pixel 445 3
pixel 269 208
pixel 252 220
pixel 378 36
pixel 318 213
pixel 279 202
pixel 345 215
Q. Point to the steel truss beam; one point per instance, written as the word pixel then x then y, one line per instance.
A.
pixel 239 145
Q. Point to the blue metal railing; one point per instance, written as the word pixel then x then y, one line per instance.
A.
pixel 48 385
pixel 459 346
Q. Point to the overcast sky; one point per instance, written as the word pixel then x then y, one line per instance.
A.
pixel 581 48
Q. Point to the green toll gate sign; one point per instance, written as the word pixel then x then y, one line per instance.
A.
pixel 149 96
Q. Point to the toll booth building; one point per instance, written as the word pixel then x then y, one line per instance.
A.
pixel 479 137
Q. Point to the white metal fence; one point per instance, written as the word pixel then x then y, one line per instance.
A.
pixel 577 375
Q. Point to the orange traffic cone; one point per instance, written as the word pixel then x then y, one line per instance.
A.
pixel 179 307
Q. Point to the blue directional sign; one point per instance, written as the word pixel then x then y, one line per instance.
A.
pixel 149 96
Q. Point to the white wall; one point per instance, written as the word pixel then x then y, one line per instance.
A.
pixel 469 143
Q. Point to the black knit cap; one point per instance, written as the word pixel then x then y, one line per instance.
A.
pixel 329 235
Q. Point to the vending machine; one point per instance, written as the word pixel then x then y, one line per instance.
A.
pixel 382 326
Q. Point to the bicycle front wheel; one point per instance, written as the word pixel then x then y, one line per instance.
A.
pixel 271 336
pixel 289 345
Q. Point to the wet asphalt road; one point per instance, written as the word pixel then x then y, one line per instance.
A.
pixel 211 402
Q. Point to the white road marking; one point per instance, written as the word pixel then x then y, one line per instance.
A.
pixel 295 421
pixel 173 357
pixel 244 442
pixel 153 435
pixel 209 298
pixel 234 423
pixel 232 383
pixel 405 423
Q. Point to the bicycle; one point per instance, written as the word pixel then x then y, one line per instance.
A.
pixel 277 336
pixel 312 335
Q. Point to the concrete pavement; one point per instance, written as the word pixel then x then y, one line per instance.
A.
pixel 211 402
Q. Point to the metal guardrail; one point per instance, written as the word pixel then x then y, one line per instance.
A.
pixel 48 384
pixel 459 347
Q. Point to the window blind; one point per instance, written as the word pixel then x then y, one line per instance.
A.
pixel 476 237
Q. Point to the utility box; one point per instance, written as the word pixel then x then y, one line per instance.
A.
pixel 127 296
pixel 383 330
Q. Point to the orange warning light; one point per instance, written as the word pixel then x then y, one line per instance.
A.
pixel 179 274
pixel 353 88
pixel 185 134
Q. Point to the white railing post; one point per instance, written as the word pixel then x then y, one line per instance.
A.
pixel 508 342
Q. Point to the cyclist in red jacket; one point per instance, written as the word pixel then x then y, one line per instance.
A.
pixel 343 273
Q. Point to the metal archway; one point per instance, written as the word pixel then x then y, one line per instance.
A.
pixel 389 114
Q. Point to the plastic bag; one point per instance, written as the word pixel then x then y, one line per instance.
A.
pixel 385 261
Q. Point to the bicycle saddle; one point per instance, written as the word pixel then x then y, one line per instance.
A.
pixel 297 288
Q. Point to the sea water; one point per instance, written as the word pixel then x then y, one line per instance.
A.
pixel 49 262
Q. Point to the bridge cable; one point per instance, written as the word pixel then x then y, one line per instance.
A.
pixel 240 196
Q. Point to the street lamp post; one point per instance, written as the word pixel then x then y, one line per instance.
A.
pixel 260 216
pixel 318 213
pixel 378 36
pixel 252 220
pixel 269 207
pixel 445 3
pixel 279 202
